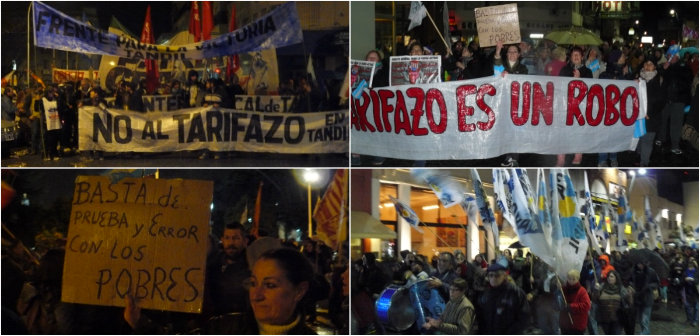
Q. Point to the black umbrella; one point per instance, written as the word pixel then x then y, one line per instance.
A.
pixel 516 245
pixel 653 259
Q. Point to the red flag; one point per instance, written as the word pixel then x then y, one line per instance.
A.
pixel 256 215
pixel 207 20
pixel 195 22
pixel 151 65
pixel 234 62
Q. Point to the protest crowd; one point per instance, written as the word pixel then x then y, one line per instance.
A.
pixel 519 294
pixel 28 107
pixel 45 115
pixel 273 289
pixel 670 74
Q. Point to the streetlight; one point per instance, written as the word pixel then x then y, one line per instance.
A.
pixel 672 12
pixel 310 176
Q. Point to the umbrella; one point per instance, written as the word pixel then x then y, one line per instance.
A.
pixel 655 261
pixel 691 50
pixel 575 36
pixel 516 245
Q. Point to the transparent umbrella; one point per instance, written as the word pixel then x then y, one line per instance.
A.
pixel 574 36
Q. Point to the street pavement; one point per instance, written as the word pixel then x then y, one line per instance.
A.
pixel 20 158
pixel 669 319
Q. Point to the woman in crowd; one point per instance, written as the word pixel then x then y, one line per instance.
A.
pixel 655 102
pixel 576 69
pixel 574 317
pixel 613 301
pixel 277 290
pixel 594 62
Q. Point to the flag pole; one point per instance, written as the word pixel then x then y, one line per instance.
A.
pixel 449 51
pixel 24 248
pixel 436 235
pixel 29 14
pixel 561 289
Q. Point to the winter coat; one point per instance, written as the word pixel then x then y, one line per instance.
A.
pixel 503 310
pixel 578 304
pixel 516 69
pixel 676 83
pixel 644 282
pixel 568 71
pixel 655 102
pixel 610 303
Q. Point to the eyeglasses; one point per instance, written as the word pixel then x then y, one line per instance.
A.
pixel 493 275
pixel 512 52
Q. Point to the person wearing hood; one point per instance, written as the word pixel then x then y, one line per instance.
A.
pixel 613 301
pixel 512 65
pixel 194 90
pixel 655 102
pixel 605 266
pixel 645 281
pixel 574 317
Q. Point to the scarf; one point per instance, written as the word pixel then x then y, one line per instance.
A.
pixel 611 289
pixel 647 75
pixel 269 329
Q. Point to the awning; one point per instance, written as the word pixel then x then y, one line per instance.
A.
pixel 365 226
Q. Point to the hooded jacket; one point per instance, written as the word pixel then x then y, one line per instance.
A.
pixel 607 268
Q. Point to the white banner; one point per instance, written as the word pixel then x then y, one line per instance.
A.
pixel 264 103
pixel 213 129
pixel 487 117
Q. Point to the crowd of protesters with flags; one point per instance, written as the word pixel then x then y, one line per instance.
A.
pixel 211 87
pixel 561 286
pixel 671 74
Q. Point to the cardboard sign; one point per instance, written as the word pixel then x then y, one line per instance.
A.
pixel 359 71
pixel 143 237
pixel 414 70
pixel 497 23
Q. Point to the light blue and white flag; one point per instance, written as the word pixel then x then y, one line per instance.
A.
pixel 572 245
pixel 503 198
pixel 485 211
pixel 601 231
pixel 590 215
pixel 650 223
pixel 447 190
pixel 624 215
pixel 543 211
pixel 527 226
pixel 405 211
